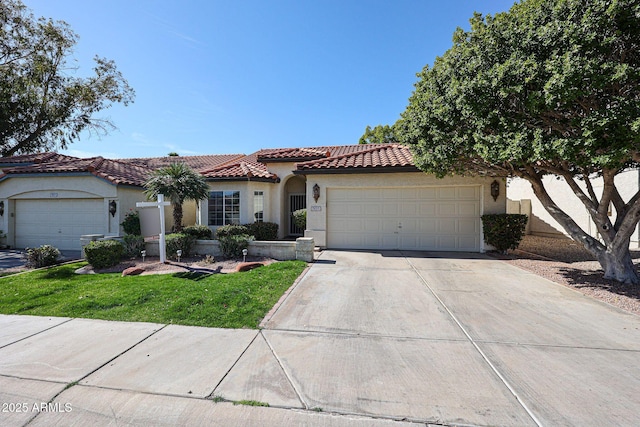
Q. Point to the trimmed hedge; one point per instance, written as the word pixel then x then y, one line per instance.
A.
pixel 504 231
pixel 133 245
pixel 201 232
pixel 43 256
pixel 231 230
pixel 263 230
pixel 104 253
pixel 300 218
pixel 131 223
pixel 231 246
pixel 181 241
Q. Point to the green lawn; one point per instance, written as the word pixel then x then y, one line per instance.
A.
pixel 238 300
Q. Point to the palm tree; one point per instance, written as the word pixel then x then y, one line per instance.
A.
pixel 178 182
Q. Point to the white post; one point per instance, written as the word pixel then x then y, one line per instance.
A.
pixel 163 243
pixel 160 204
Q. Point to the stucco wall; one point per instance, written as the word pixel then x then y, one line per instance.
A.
pixel 541 222
pixel 317 211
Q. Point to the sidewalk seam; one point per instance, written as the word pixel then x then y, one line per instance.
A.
pixel 38 333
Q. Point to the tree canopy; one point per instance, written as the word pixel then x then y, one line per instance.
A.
pixel 178 183
pixel 550 87
pixel 43 105
pixel 381 134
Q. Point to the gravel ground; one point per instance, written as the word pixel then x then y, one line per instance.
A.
pixel 567 263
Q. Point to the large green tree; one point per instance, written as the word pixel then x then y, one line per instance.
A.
pixel 43 104
pixel 551 87
pixel 381 134
pixel 178 183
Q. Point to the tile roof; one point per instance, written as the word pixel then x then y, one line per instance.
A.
pixel 247 168
pixel 114 171
pixel 22 159
pixel 198 163
pixel 374 158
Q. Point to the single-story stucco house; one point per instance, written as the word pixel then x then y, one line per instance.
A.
pixel 522 200
pixel 357 197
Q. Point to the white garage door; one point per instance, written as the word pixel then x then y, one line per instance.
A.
pixel 416 218
pixel 58 222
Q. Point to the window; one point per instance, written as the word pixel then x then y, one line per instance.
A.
pixel 258 206
pixel 224 207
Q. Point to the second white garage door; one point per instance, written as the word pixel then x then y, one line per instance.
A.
pixel 415 218
pixel 58 222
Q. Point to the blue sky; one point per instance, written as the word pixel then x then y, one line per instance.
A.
pixel 235 76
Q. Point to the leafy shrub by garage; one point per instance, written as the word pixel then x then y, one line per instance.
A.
pixel 43 256
pixel 179 241
pixel 231 230
pixel 300 218
pixel 201 232
pixel 133 245
pixel 104 253
pixel 263 230
pixel 131 223
pixel 232 245
pixel 504 231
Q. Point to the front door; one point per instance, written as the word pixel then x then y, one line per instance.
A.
pixel 296 201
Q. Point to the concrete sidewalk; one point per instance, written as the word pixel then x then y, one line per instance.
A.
pixel 364 339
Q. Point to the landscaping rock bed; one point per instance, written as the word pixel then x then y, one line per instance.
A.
pixel 564 261
pixel 152 265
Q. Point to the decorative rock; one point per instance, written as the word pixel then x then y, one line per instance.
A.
pixel 246 266
pixel 132 271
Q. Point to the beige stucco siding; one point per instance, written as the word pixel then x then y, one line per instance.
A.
pixel 542 223
pixel 317 211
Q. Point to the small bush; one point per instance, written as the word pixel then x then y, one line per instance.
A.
pixel 133 245
pixel 179 241
pixel 263 230
pixel 104 253
pixel 43 256
pixel 504 231
pixel 300 218
pixel 231 246
pixel 131 223
pixel 201 232
pixel 231 230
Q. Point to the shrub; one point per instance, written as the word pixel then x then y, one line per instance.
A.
pixel 133 245
pixel 104 253
pixel 179 241
pixel 263 230
pixel 43 256
pixel 231 246
pixel 300 218
pixel 504 231
pixel 131 223
pixel 231 230
pixel 198 231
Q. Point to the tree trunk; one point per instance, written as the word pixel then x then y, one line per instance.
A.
pixel 177 217
pixel 618 265
pixel 613 254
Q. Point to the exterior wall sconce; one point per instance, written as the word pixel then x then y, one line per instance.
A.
pixel 112 208
pixel 2 208
pixel 316 192
pixel 495 190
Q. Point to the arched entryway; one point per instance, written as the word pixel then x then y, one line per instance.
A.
pixel 295 197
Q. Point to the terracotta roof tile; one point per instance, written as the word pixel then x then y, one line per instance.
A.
pixel 247 168
pixel 198 163
pixel 34 158
pixel 113 171
pixel 374 157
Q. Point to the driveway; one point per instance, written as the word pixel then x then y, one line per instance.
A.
pixel 364 339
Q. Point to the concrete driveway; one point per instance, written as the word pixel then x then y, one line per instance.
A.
pixel 363 339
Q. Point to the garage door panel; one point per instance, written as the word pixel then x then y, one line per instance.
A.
pixel 58 222
pixel 412 218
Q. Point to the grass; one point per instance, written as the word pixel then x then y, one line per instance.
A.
pixel 238 300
